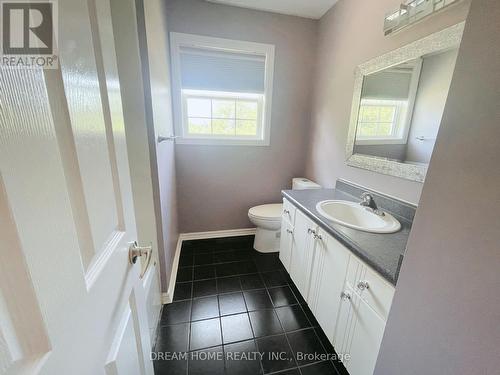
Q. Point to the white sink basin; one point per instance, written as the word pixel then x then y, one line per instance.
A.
pixel 353 215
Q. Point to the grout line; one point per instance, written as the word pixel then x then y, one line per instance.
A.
pixel 284 331
pixel 188 347
pixel 283 371
pixel 258 350
pixel 221 332
pixel 253 331
pixel 253 335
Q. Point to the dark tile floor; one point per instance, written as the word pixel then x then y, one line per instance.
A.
pixel 236 311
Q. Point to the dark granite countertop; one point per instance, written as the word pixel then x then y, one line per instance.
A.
pixel 383 252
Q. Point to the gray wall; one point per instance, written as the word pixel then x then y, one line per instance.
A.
pixel 218 184
pixel 350 34
pixel 433 87
pixel 445 318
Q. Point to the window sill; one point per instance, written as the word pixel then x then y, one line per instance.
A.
pixel 221 142
pixel 374 142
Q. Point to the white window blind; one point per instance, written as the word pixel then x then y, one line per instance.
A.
pixel 387 85
pixel 210 70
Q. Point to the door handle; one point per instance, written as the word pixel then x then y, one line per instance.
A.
pixel 136 251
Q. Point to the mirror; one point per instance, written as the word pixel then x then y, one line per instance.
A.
pixel 398 104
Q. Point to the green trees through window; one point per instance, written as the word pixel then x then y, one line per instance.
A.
pixel 223 116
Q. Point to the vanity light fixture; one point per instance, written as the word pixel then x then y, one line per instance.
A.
pixel 412 11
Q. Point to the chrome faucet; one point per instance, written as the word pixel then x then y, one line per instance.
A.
pixel 369 203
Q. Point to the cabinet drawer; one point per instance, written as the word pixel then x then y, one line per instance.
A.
pixel 379 293
pixel 288 213
pixel 372 287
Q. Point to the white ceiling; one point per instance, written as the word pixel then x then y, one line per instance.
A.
pixel 304 8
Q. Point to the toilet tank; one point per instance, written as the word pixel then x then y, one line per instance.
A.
pixel 300 183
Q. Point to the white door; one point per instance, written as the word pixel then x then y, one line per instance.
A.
pixel 70 302
pixel 302 252
pixel 328 275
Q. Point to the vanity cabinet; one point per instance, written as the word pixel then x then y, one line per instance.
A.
pixel 350 300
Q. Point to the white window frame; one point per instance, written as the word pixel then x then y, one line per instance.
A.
pixel 179 40
pixel 187 94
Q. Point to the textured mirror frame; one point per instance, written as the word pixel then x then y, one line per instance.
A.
pixel 439 41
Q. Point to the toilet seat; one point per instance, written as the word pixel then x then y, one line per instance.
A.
pixel 267 212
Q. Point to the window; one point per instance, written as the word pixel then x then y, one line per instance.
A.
pixel 386 106
pixel 222 114
pixel 382 121
pixel 222 90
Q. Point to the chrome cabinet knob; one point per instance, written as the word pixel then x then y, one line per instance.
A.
pixel 311 231
pixel 362 285
pixel 345 296
pixel 289 231
pixel 317 237
pixel 286 212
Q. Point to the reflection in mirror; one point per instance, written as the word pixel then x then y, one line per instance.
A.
pixel 401 107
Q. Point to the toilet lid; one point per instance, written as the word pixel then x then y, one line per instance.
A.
pixel 267 211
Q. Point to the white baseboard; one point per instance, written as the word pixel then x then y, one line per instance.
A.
pixel 217 234
pixel 167 297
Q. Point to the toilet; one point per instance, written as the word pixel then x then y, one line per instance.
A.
pixel 267 219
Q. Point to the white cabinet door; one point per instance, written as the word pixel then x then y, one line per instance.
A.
pixel 288 213
pixel 344 324
pixel 358 334
pixel 327 282
pixel 302 254
pixel 70 302
pixel 365 338
pixel 286 244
